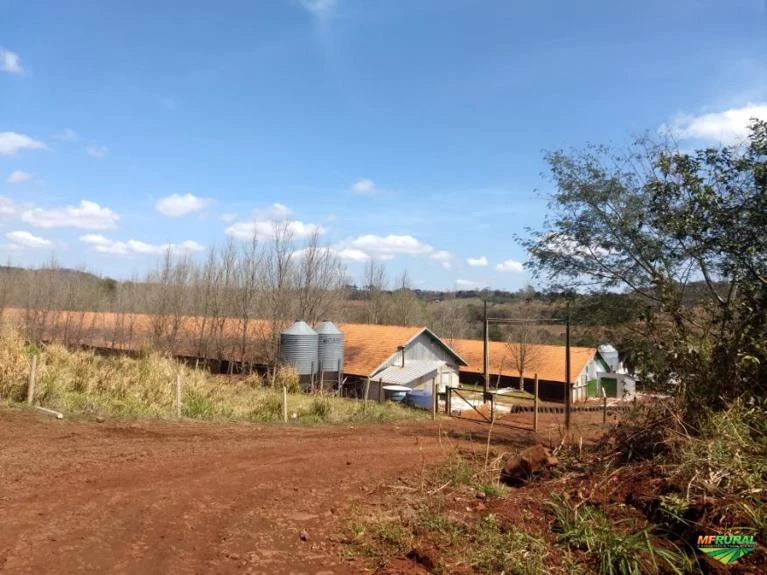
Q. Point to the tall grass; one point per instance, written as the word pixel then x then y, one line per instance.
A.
pixel 82 382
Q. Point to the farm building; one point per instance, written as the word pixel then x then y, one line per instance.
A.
pixel 548 361
pixel 389 355
pixel 409 357
pixel 399 356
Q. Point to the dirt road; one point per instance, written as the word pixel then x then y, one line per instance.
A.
pixel 152 497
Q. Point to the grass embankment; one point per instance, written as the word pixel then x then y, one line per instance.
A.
pixel 82 382
pixel 633 504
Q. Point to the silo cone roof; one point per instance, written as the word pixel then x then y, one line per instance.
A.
pixel 328 328
pixel 299 328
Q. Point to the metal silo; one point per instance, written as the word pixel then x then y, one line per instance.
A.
pixel 299 347
pixel 331 352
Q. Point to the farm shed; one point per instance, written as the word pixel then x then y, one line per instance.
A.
pixel 394 355
pixel 617 385
pixel 549 363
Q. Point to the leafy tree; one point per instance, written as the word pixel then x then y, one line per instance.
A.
pixel 662 224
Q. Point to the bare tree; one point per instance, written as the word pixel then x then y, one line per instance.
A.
pixel 319 279
pixel 249 269
pixel 279 274
pixel 404 307
pixel 374 278
pixel 524 351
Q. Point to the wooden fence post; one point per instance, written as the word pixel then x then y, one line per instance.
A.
pixel 285 403
pixel 178 396
pixel 535 405
pixel 367 390
pixel 434 398
pixel 32 381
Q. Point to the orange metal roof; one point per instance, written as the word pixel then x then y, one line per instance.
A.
pixel 549 361
pixel 367 346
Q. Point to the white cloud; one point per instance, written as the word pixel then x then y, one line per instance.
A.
pixel 10 62
pixel 8 207
pixel 265 229
pixel 386 247
pixel 86 215
pixel 355 256
pixel 320 8
pixel 97 151
pixel 18 177
pixel 352 255
pixel 444 258
pixel 227 218
pixel 480 262
pixel 510 266
pixel 725 127
pixel 176 205
pixel 278 212
pixel 12 142
pixel 105 245
pixel 67 135
pixel 364 187
pixel 27 240
pixel 265 221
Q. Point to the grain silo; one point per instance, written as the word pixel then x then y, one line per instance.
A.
pixel 331 353
pixel 299 347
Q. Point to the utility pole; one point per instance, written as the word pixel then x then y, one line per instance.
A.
pixel 486 354
pixel 568 388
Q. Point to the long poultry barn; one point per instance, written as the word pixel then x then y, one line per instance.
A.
pixel 547 361
pixel 381 358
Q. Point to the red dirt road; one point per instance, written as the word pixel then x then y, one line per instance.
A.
pixel 152 497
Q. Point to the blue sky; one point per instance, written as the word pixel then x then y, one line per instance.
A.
pixel 410 131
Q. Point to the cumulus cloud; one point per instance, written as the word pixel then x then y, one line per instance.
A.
pixel 443 257
pixel 386 247
pixel 8 207
pixel 725 127
pixel 97 151
pixel 86 215
pixel 265 222
pixel 105 245
pixel 480 262
pixel 364 187
pixel 12 142
pixel 10 62
pixel 177 206
pixel 276 211
pixel 266 229
pixel 510 266
pixel 18 177
pixel 27 240
pixel 345 255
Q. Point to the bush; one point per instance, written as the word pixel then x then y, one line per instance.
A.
pixel 14 364
pixel 287 376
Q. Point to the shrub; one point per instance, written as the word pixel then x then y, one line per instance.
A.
pixel 14 364
pixel 287 376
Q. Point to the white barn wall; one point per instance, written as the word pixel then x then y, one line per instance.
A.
pixel 425 348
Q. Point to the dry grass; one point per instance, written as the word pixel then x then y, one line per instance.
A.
pixel 82 382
